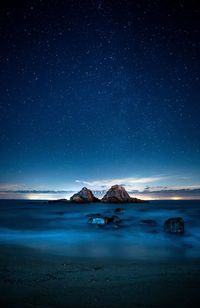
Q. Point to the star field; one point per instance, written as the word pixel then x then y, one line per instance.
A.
pixel 96 89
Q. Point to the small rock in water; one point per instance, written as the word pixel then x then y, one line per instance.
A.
pixel 97 220
pixel 97 268
pixel 119 210
pixel 115 220
pixel 174 225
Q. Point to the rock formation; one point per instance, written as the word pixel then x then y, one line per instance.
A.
pixel 174 225
pixel 84 196
pixel 118 194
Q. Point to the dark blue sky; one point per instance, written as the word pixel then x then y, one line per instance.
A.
pixel 99 91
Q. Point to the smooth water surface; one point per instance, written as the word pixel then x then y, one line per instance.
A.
pixel 63 229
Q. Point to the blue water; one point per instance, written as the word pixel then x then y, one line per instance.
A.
pixel 40 225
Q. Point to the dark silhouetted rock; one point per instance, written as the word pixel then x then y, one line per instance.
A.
pixel 119 210
pixel 149 222
pixel 174 225
pixel 58 201
pixel 115 220
pixel 118 194
pixel 84 196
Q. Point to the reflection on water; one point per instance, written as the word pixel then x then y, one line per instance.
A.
pixel 63 229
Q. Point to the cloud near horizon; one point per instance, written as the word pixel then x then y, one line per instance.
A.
pixel 148 194
pixel 138 187
pixel 128 182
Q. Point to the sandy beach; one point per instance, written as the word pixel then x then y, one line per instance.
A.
pixel 33 278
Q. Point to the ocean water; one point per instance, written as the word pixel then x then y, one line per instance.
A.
pixel 63 229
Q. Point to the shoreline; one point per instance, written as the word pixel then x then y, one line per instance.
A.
pixel 33 278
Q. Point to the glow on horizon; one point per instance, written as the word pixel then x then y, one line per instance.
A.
pixel 40 196
pixel 147 198
pixel 53 196
pixel 176 198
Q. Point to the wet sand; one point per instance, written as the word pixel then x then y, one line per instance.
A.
pixel 33 278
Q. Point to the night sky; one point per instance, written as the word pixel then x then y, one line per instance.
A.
pixel 99 92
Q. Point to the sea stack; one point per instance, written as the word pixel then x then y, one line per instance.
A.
pixel 118 194
pixel 84 196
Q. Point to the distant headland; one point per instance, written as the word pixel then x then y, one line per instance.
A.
pixel 116 194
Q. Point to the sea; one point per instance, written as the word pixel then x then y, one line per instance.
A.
pixel 63 229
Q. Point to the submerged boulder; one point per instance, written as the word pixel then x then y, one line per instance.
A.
pixel 114 219
pixel 84 196
pixel 119 210
pixel 101 220
pixel 97 221
pixel 174 225
pixel 118 194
